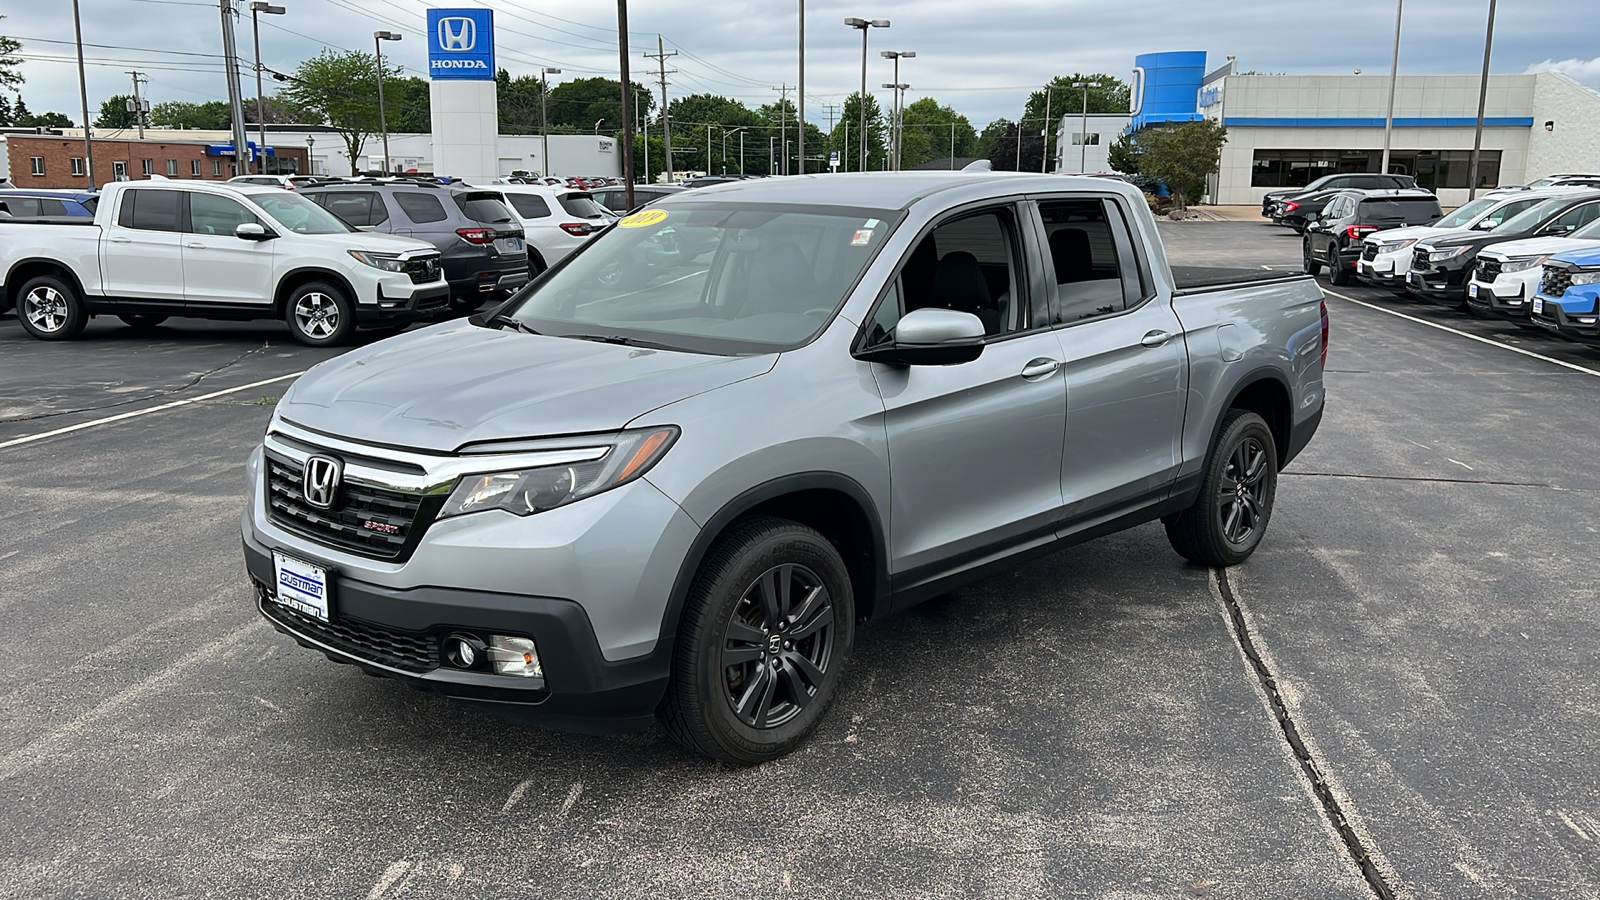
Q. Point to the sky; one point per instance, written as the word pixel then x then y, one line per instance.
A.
pixel 981 58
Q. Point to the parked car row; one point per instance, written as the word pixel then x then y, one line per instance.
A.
pixel 1293 207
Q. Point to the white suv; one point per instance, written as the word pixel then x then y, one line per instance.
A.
pixel 555 221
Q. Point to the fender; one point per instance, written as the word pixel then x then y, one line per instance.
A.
pixel 1249 379
pixel 12 285
pixel 280 296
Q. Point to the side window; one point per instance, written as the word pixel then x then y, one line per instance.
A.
pixel 48 207
pixel 1507 211
pixel 419 207
pixel 354 207
pixel 23 206
pixel 210 214
pixel 967 264
pixel 529 206
pixel 152 210
pixel 378 212
pixel 1575 218
pixel 1083 254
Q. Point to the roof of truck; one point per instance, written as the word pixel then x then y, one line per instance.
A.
pixel 887 190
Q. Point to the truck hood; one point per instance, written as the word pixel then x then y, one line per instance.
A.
pixel 377 242
pixel 456 383
pixel 1541 246
pixel 1586 256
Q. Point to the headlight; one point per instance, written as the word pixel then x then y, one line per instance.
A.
pixel 388 262
pixel 1592 277
pixel 1392 246
pixel 1447 253
pixel 1522 265
pixel 524 492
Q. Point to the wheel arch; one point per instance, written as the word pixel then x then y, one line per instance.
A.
pixel 298 278
pixel 835 505
pixel 1266 393
pixel 23 270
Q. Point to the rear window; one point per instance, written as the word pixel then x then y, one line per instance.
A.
pixel 419 207
pixel 529 206
pixel 582 206
pixel 1411 211
pixel 90 203
pixel 150 210
pixel 485 207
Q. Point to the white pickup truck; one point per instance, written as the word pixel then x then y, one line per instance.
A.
pixel 183 248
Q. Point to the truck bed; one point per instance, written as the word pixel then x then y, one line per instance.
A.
pixel 1188 279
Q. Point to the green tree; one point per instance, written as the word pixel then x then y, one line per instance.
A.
pixel 114 112
pixel 276 111
pixel 1004 155
pixel 1109 96
pixel 691 114
pixel 341 89
pixel 846 136
pixel 991 135
pixel 1183 156
pixel 6 115
pixel 10 62
pixel 408 104
pixel 518 100
pixel 1124 153
pixel 575 106
pixel 27 119
pixel 212 114
pixel 927 128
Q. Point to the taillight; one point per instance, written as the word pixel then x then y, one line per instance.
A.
pixel 1357 232
pixel 578 229
pixel 1291 206
pixel 1324 334
pixel 476 235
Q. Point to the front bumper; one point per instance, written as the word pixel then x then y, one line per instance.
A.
pixel 1440 285
pixel 1575 315
pixel 1507 297
pixel 420 301
pixel 1386 270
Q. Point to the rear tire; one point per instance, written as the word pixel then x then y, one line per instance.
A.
pixel 1227 520
pixel 141 322
pixel 50 310
pixel 765 636
pixel 320 315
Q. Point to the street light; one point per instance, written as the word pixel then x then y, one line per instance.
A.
pixel 1394 76
pixel 898 132
pixel 1083 128
pixel 864 24
pixel 1483 96
pixel 597 126
pixel 256 7
pixel 740 132
pixel 544 118
pixel 311 161
pixel 383 120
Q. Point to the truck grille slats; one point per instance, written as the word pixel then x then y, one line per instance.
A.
pixel 1555 282
pixel 365 520
pixel 1369 252
pixel 1419 260
pixel 1488 270
pixel 423 270
pixel 373 643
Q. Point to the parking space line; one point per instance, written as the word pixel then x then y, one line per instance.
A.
pixel 30 438
pixel 1482 340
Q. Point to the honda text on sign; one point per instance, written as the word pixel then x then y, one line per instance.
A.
pixel 461 44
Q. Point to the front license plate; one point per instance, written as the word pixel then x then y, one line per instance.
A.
pixel 1472 291
pixel 1411 278
pixel 508 245
pixel 302 586
pixel 1538 304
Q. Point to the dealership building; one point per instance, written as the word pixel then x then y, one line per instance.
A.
pixel 1289 130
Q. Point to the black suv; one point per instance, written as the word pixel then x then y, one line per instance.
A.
pixel 481 245
pixel 616 198
pixel 1442 266
pixel 1363 181
pixel 1333 239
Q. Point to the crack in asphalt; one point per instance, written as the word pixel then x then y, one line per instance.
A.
pixel 1439 480
pixel 163 393
pixel 1332 810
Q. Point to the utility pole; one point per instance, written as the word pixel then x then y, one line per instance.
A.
pixel 1483 96
pixel 378 37
pixel 230 59
pixel 660 56
pixel 544 119
pixel 952 145
pixel 83 96
pixel 138 104
pixel 256 8
pixel 1044 133
pixel 627 104
pixel 783 124
pixel 800 92
pixel 1394 76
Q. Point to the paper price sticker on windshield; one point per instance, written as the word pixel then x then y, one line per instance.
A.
pixel 862 238
pixel 643 218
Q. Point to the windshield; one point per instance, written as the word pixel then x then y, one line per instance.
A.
pixel 299 215
pixel 485 208
pixel 1463 216
pixel 583 206
pixel 1533 215
pixel 722 278
pixel 1543 182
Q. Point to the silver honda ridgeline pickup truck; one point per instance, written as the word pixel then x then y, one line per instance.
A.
pixel 670 477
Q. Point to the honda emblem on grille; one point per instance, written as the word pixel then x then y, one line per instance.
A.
pixel 321 481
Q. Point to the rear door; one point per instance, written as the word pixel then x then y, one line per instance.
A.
pixel 218 266
pixel 1124 362
pixel 141 254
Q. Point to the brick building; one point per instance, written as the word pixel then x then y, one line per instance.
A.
pixel 57 161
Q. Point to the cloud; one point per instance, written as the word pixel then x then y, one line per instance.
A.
pixel 1586 71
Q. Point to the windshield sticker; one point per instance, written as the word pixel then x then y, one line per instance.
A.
pixel 862 238
pixel 643 218
pixel 870 223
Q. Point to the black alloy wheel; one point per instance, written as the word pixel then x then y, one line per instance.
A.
pixel 1226 522
pixel 778 644
pixel 1338 272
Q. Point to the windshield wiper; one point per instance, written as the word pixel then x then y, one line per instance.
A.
pixel 507 320
pixel 619 340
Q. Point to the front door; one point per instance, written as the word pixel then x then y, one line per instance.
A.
pixel 218 266
pixel 975 448
pixel 141 251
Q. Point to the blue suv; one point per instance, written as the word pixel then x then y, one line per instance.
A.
pixel 23 203
pixel 1569 295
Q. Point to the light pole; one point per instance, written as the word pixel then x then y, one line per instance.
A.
pixel 597 126
pixel 1083 128
pixel 1483 96
pixel 800 99
pixel 897 131
pixel 257 7
pixel 740 132
pixel 378 37
pixel 83 95
pixel 864 24
pixel 1394 76
pixel 544 118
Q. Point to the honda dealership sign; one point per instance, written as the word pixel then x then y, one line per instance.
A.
pixel 461 44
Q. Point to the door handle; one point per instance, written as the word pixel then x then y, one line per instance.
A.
pixel 121 240
pixel 195 246
pixel 1039 368
pixel 1155 338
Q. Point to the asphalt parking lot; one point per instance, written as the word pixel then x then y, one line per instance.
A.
pixel 1408 672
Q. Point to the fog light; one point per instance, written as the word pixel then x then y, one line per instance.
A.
pixel 464 651
pixel 515 656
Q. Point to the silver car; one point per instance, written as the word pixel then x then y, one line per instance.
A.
pixel 808 403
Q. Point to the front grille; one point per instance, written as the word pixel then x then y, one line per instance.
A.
pixel 1488 270
pixel 1419 260
pixel 1369 252
pixel 423 270
pixel 360 516
pixel 401 650
pixel 1555 282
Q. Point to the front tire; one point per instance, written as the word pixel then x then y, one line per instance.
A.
pixel 320 315
pixel 1227 520
pixel 1338 272
pixel 1312 267
pixel 50 310
pixel 765 635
